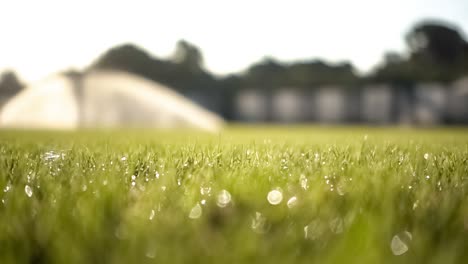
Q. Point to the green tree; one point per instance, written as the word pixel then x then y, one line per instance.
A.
pixel 10 83
pixel 188 56
pixel 438 41
pixel 437 52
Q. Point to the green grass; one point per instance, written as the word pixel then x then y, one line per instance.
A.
pixel 356 189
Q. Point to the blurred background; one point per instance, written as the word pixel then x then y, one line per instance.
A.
pixel 350 62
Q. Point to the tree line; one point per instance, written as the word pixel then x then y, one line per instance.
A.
pixel 437 51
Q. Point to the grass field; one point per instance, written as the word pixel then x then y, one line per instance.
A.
pixel 248 195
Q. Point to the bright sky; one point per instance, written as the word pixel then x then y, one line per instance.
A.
pixel 38 38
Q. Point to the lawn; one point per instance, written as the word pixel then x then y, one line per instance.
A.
pixel 256 194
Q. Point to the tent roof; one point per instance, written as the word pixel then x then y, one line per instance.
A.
pixel 103 98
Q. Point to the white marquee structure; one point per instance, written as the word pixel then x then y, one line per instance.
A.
pixel 103 99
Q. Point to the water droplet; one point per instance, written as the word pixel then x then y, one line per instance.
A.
pixel 292 202
pixel 258 223
pixel 336 225
pixel 224 198
pixel 313 230
pixel 133 183
pixel 156 175
pixel 205 190
pixel 275 197
pixel 426 156
pixel 7 188
pixel 150 253
pixel 316 157
pixel 399 244
pixel 123 158
pixel 84 187
pixel 28 191
pixel 340 189
pixel 133 177
pixel 196 212
pixel 151 216
pixel 428 177
pixel 203 202
pixel 303 180
pixel 51 155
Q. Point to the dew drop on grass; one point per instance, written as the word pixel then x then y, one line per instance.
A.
pixel 7 188
pixel 51 155
pixel 399 244
pixel 340 189
pixel 292 202
pixel 205 190
pixel 303 181
pixel 426 156
pixel 123 158
pixel 275 197
pixel 151 216
pixel 258 224
pixel 313 230
pixel 150 253
pixel 196 212
pixel 28 191
pixel 223 199
pixel 336 225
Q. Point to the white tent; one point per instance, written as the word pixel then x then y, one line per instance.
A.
pixel 103 99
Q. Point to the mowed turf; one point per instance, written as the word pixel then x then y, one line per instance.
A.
pixel 255 194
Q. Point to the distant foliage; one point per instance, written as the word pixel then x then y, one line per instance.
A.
pixel 184 71
pixel 437 52
pixel 10 83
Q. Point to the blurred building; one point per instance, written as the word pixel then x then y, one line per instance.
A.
pixel 289 105
pixel 430 103
pixel 330 104
pixel 117 99
pixel 252 105
pixel 380 103
pixel 457 102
